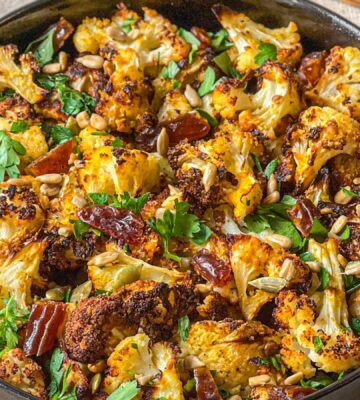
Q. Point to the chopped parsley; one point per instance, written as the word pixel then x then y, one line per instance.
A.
pixel 49 82
pixel 10 150
pixel 19 126
pixel 170 72
pixel 190 38
pixel 209 118
pixel 324 278
pixel 125 391
pixel 126 26
pixel 349 192
pixel 117 142
pixel 270 168
pixel 183 327
pixel 60 134
pixel 318 231
pixel 43 47
pixel 220 40
pixel 73 102
pixel 208 83
pixel 223 61
pixel 267 51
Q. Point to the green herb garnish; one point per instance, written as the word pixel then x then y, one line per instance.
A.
pixel 267 51
pixel 183 327
pixel 43 47
pixel 209 118
pixel 324 278
pixel 270 168
pixel 207 85
pixel 10 150
pixel 19 126
pixel 60 134
pixel 126 391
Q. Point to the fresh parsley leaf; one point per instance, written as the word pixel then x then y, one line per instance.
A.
pixel 349 192
pixel 320 380
pixel 101 291
pixel 270 168
pixel 183 327
pixel 188 37
pixel 288 200
pixel 318 231
pixel 10 150
pixel 318 344
pixel 209 118
pixel 256 162
pixel 126 26
pixel 345 234
pixel 134 204
pixel 277 363
pixel 170 71
pixel 207 85
pixel 223 61
pixel 355 326
pixel 117 142
pixel 192 53
pixel 80 228
pixel 126 391
pixel 256 223
pixel 180 224
pixel 267 51
pixel 99 198
pixel 60 134
pixel 49 82
pixel 43 47
pixel 324 278
pixel 5 94
pixel 306 256
pixel 73 102
pixel 352 283
pixel 11 316
pixel 189 385
pixel 220 40
pixel 19 126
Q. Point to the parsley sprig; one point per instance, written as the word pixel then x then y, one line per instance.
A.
pixel 10 150
pixel 134 204
pixel 180 224
pixel 10 318
pixel 126 391
pixel 267 51
pixel 43 47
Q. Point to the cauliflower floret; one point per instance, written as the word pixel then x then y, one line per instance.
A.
pixel 288 392
pixel 130 97
pixel 198 171
pixel 134 355
pixel 252 258
pixel 95 326
pixel 21 214
pixel 339 85
pixel 18 78
pixel 325 336
pixel 321 134
pixel 154 38
pixel 21 271
pixel 278 97
pixel 23 372
pixel 246 35
pixel 126 269
pixel 227 347
pixel 174 105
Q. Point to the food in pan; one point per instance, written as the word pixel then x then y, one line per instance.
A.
pixel 179 211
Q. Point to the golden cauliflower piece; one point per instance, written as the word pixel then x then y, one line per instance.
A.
pixel 131 94
pixel 278 97
pixel 246 35
pixel 153 38
pixel 23 372
pixel 18 78
pixel 21 215
pixel 321 134
pixel 288 392
pixel 133 358
pixel 227 347
pixel 19 272
pixel 252 258
pixel 339 85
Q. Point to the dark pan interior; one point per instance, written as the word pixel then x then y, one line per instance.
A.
pixel 319 28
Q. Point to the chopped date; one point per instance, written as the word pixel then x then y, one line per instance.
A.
pixel 303 214
pixel 211 268
pixel 187 126
pixel 43 326
pixel 118 223
pixel 206 387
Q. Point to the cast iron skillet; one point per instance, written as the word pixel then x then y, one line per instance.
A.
pixel 319 28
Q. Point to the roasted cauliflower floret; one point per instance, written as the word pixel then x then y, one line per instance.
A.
pixel 23 372
pixel 154 38
pixel 134 357
pixel 288 392
pixel 279 97
pixel 251 259
pixel 130 97
pixel 21 215
pixel 321 134
pixel 339 87
pixel 174 105
pixel 227 347
pixel 94 328
pixel 246 35
pixel 19 78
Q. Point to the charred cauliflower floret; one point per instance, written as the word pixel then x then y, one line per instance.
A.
pixel 227 347
pixel 278 97
pixel 21 215
pixel 134 357
pixel 339 87
pixel 95 326
pixel 221 168
pixel 247 36
pixel 288 392
pixel 23 372
pixel 251 259
pixel 130 97
pixel 153 38
pixel 321 134
pixel 19 78
pixel 324 337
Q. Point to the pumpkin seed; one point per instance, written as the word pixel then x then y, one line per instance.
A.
pixel 270 285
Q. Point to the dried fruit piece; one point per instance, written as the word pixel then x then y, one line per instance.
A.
pixel 303 214
pixel 116 222
pixel 206 388
pixel 44 323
